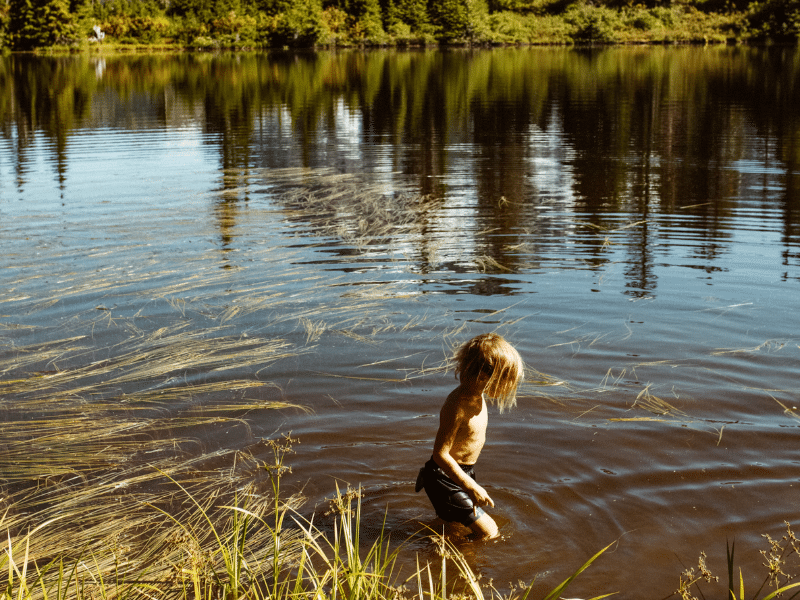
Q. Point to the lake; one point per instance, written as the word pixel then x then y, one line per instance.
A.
pixel 197 235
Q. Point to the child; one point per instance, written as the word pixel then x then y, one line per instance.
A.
pixel 489 365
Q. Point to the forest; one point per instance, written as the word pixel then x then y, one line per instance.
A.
pixel 27 25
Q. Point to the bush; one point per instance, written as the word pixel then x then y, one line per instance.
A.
pixel 665 15
pixel 235 30
pixel 644 21
pixel 508 27
pixel 136 29
pixel 367 24
pixel 593 24
pixel 299 25
pixel 334 25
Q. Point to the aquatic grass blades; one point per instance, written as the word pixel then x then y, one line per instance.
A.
pixel 776 581
pixel 558 590
pixel 209 541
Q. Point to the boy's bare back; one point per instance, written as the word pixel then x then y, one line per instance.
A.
pixel 462 426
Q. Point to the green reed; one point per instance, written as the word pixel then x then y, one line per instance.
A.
pixel 774 584
pixel 235 545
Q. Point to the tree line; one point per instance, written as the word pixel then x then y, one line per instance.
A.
pixel 199 24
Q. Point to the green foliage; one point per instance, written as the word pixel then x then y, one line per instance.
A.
pixel 408 23
pixel 28 24
pixel 299 24
pixel 131 21
pixel 644 20
pixel 593 24
pixel 136 28
pixel 414 13
pixel 38 23
pixel 460 20
pixel 508 26
pixel 775 19
pixel 517 6
pixel 235 30
pixel 204 11
pixel 367 21
pixel 450 18
pixel 5 23
pixel 666 15
pixel 334 25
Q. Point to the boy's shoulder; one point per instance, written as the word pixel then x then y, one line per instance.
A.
pixel 459 401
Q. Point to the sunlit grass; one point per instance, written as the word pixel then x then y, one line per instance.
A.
pixel 775 584
pixel 235 538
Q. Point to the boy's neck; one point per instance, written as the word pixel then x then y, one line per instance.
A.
pixel 472 390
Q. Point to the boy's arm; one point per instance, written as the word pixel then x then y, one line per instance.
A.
pixel 451 419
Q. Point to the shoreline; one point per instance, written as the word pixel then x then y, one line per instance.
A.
pixel 576 25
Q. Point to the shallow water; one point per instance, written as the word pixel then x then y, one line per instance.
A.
pixel 628 218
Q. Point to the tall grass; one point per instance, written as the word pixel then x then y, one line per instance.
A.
pixel 241 543
pixel 774 585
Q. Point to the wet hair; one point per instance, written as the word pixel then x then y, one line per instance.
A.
pixel 491 356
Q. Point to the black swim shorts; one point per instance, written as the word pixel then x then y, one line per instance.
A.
pixel 449 499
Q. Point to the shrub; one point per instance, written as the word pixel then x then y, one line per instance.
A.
pixel 461 20
pixel 334 25
pixel 414 13
pixel 594 24
pixel 233 29
pixel 508 27
pixel 133 29
pixel 299 25
pixel 665 15
pixel 644 21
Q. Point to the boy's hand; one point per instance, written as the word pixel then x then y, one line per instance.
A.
pixel 480 497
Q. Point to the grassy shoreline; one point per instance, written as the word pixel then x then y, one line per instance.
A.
pixel 218 541
pixel 248 541
pixel 579 25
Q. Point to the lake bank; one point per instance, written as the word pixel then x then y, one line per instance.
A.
pixel 246 27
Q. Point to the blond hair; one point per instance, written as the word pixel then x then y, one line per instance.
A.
pixel 489 355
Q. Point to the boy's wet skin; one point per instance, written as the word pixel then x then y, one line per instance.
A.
pixel 487 366
pixel 462 433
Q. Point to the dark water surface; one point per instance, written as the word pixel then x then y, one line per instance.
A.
pixel 628 218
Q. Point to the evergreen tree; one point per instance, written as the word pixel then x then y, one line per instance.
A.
pixel 367 15
pixel 294 22
pixel 414 13
pixel 37 23
pixel 458 19
pixel 450 18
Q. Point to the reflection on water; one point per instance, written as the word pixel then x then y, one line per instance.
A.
pixel 509 136
pixel 332 223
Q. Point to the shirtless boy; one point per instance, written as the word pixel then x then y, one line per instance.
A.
pixel 490 368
